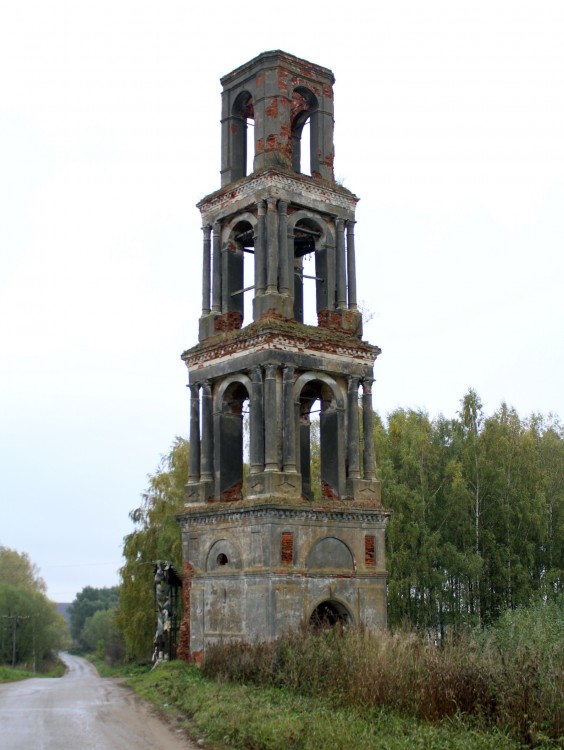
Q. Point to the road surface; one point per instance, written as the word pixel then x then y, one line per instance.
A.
pixel 80 711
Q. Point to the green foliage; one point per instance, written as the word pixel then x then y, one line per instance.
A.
pixel 507 677
pixel 478 513
pixel 87 602
pixel 156 537
pixel 30 627
pixel 16 569
pixel 279 719
pixel 102 635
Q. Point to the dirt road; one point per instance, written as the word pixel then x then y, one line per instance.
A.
pixel 80 711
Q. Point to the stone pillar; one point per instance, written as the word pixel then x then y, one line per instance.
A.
pixel 351 265
pixel 331 281
pixel 256 457
pixel 272 249
pixel 194 469
pixel 289 431
pixel 340 258
pixel 260 255
pixel 271 419
pixel 368 429
pixel 353 438
pixel 207 433
pixel 216 271
pixel 206 270
pixel 283 245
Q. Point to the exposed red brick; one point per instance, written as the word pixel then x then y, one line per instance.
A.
pixel 272 142
pixel 327 91
pixel 233 127
pixel 229 321
pixel 329 319
pixel 183 651
pixel 233 494
pixel 287 557
pixel 328 491
pixel 272 109
pixel 259 147
pixel 369 551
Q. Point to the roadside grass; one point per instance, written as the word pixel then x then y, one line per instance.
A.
pixel 54 668
pixel 104 669
pixel 247 717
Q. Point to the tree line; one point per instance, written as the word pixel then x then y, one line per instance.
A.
pixel 478 513
pixel 31 630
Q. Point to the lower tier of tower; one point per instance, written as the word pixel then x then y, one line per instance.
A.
pixel 256 573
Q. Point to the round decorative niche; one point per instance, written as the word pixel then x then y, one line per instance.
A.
pixel 223 555
pixel 331 553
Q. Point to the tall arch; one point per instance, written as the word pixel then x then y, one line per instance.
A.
pixel 304 107
pixel 311 235
pixel 242 110
pixel 228 437
pixel 309 389
pixel 238 248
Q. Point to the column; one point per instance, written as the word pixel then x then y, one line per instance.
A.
pixel 351 265
pixel 283 245
pixel 289 427
pixel 216 270
pixel 341 280
pixel 271 246
pixel 353 438
pixel 260 259
pixel 368 428
pixel 271 419
pixel 257 422
pixel 207 433
pixel 206 270
pixel 194 469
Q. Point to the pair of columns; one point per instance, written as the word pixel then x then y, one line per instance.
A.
pixel 273 269
pixel 273 439
pixel 353 441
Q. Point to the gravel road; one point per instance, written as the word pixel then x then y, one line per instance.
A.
pixel 80 711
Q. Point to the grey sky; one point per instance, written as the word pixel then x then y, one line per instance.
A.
pixel 449 127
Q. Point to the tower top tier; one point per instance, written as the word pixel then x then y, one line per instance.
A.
pixel 280 93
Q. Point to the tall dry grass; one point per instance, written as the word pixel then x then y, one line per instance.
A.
pixel 509 676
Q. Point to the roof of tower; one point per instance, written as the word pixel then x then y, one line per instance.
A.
pixel 278 57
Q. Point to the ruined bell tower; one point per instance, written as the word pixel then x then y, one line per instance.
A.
pixel 272 534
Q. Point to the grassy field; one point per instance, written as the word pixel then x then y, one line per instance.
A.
pixel 227 715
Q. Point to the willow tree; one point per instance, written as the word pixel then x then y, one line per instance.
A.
pixel 156 536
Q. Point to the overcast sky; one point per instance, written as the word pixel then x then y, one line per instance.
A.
pixel 449 126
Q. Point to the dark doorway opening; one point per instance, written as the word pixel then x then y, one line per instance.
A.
pixel 328 614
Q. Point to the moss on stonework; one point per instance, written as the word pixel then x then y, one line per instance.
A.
pixel 299 331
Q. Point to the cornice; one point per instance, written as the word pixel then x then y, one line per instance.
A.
pixel 208 515
pixel 276 180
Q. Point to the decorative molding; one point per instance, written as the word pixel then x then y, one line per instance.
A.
pixel 260 513
pixel 278 184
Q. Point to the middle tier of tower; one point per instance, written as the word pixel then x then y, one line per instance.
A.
pixel 273 220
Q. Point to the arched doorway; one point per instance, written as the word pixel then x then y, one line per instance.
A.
pixel 328 614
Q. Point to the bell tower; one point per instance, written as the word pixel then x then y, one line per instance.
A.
pixel 272 537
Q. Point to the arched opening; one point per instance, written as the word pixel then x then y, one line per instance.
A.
pixel 239 271
pixel 310 272
pixel 329 614
pixel 241 155
pixel 303 112
pixel 320 477
pixel 231 443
